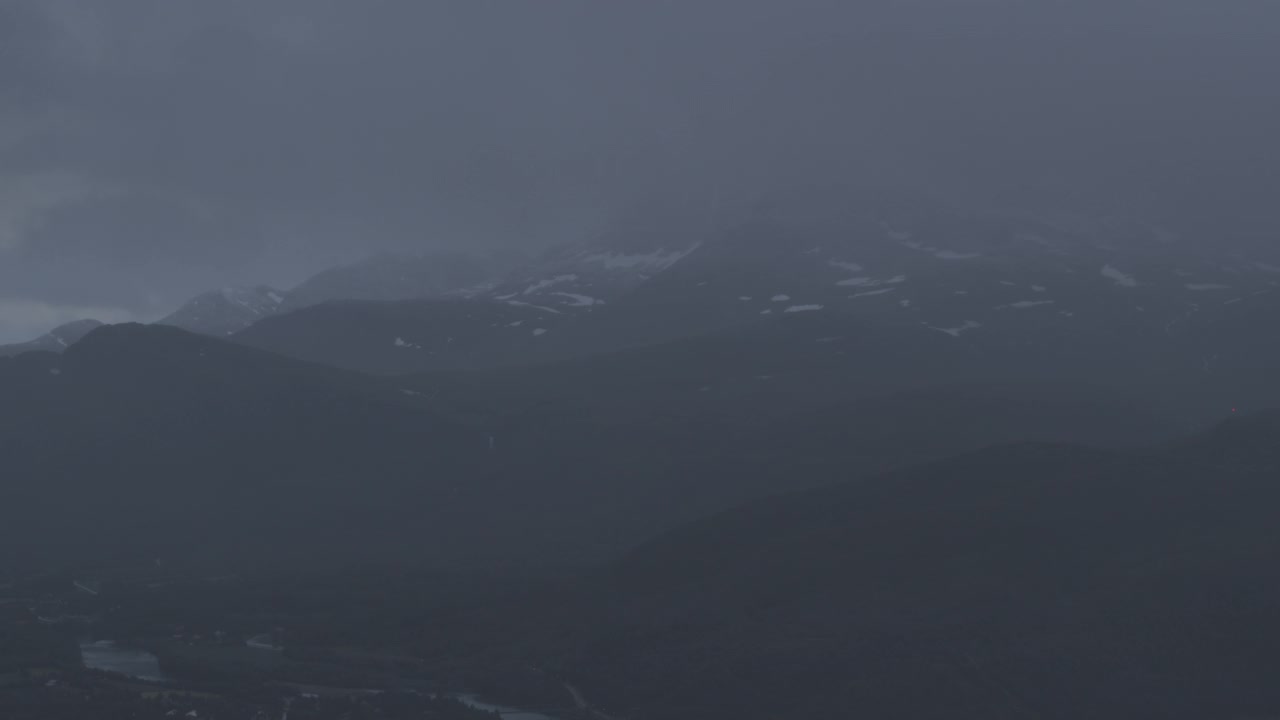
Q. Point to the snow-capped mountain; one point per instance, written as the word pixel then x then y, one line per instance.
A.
pixel 1022 295
pixel 584 277
pixel 380 278
pixel 226 311
pixel 56 340
pixel 944 279
pixel 945 272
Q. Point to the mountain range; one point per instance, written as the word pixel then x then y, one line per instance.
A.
pixel 925 298
pixel 156 442
pixel 678 373
pixel 378 278
pixel 886 459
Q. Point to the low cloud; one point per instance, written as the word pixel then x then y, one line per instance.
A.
pixel 26 202
pixel 23 319
pixel 259 140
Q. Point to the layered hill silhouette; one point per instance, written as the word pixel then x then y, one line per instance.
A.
pixel 912 295
pixel 145 442
pixel 1024 581
pixel 55 341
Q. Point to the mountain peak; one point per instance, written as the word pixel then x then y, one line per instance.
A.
pixel 223 312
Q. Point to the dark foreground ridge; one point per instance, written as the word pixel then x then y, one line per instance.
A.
pixel 1025 581
pixel 149 442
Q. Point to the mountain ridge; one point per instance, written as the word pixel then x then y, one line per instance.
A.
pixel 160 419
pixel 1023 580
pixel 56 340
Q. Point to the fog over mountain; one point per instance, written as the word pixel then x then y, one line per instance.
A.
pixel 153 150
pixel 653 359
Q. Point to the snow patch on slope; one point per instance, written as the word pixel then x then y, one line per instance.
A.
pixel 579 300
pixel 656 260
pixel 1120 278
pixel 869 293
pixel 953 255
pixel 542 284
pixel 535 307
pixel 1024 304
pixel 958 331
pixel 850 266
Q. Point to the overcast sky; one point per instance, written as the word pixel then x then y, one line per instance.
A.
pixel 152 149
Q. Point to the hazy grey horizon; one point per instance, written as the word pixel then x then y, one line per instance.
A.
pixel 153 149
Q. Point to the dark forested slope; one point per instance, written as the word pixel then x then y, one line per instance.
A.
pixel 1027 581
pixel 149 442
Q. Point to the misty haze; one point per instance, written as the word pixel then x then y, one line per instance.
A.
pixel 642 360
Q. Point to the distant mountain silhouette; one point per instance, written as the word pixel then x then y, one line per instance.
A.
pixel 397 277
pixel 144 441
pixel 379 278
pixel 222 312
pixel 931 296
pixel 56 340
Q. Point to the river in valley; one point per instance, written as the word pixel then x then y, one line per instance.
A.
pixel 107 656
